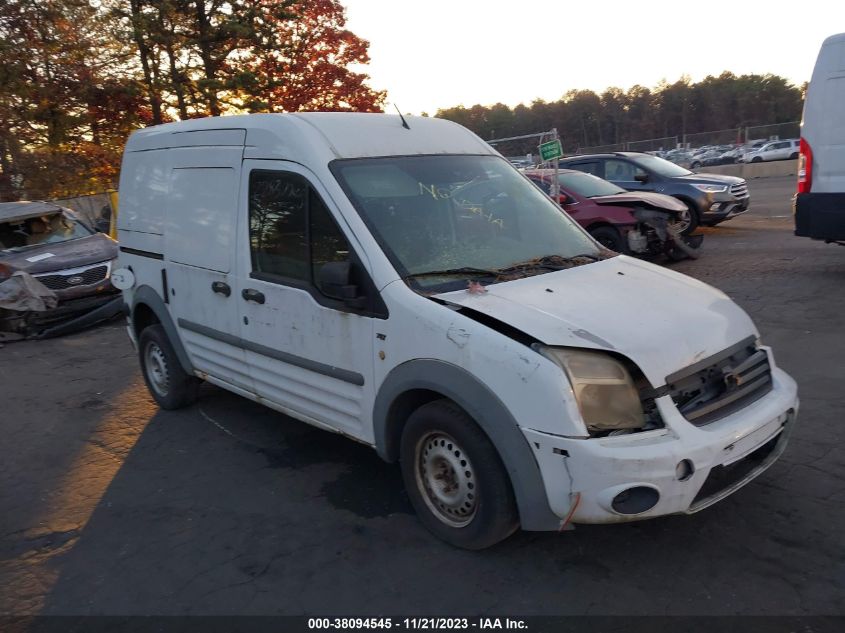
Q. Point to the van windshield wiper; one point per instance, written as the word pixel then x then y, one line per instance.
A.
pixel 466 271
pixel 549 262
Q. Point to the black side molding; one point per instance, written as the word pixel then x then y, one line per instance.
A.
pixel 140 253
pixel 331 371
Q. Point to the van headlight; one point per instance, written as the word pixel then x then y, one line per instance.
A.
pixel 603 387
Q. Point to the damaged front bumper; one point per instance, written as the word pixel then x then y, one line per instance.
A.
pixel 678 469
pixel 68 316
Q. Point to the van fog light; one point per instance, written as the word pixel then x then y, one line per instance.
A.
pixel 684 470
pixel 635 500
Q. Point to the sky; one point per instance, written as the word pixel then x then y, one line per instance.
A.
pixel 431 54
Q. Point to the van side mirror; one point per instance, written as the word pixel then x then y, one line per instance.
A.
pixel 641 177
pixel 335 280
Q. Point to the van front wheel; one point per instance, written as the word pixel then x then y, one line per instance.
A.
pixel 168 383
pixel 455 478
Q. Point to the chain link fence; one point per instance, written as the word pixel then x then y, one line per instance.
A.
pixel 662 144
pixel 736 136
pixel 524 149
pixel 731 136
pixel 775 132
pixel 602 149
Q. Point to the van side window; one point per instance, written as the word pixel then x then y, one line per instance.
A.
pixel 277 214
pixel 328 244
pixel 292 234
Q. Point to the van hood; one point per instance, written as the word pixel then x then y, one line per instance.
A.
pixel 61 255
pixel 661 320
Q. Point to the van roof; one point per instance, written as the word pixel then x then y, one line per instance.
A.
pixel 315 135
pixel 839 37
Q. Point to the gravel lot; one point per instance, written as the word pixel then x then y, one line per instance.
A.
pixel 110 506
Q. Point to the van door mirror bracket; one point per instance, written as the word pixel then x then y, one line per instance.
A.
pixel 334 281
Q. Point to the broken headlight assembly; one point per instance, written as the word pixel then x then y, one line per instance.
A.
pixel 612 397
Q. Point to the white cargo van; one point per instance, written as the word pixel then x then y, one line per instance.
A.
pixel 820 202
pixel 401 283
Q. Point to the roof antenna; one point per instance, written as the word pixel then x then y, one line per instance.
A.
pixel 404 122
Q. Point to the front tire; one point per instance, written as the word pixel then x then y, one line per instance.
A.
pixel 167 382
pixel 609 237
pixel 688 220
pixel 455 478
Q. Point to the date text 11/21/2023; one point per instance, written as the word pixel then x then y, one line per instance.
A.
pixel 417 623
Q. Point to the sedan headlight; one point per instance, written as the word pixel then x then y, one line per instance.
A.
pixel 605 392
pixel 712 188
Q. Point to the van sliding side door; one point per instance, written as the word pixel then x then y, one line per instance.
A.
pixel 200 245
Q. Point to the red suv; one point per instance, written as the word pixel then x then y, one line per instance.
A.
pixel 610 214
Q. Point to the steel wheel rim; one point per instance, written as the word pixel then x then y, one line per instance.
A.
pixel 157 371
pixel 446 479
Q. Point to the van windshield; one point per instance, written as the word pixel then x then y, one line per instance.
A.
pixel 465 216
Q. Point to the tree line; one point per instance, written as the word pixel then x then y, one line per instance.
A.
pixel 584 118
pixel 77 76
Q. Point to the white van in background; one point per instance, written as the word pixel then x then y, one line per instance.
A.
pixel 820 202
pixel 399 282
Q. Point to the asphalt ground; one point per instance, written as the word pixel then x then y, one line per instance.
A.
pixel 111 506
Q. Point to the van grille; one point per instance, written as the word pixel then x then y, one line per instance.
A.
pixel 721 385
pixel 74 278
pixel 740 190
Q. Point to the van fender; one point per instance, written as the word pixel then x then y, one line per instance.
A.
pixel 148 296
pixel 488 411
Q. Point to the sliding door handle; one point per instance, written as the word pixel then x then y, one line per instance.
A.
pixel 251 294
pixel 221 288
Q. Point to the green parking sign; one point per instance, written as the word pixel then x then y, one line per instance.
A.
pixel 551 150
